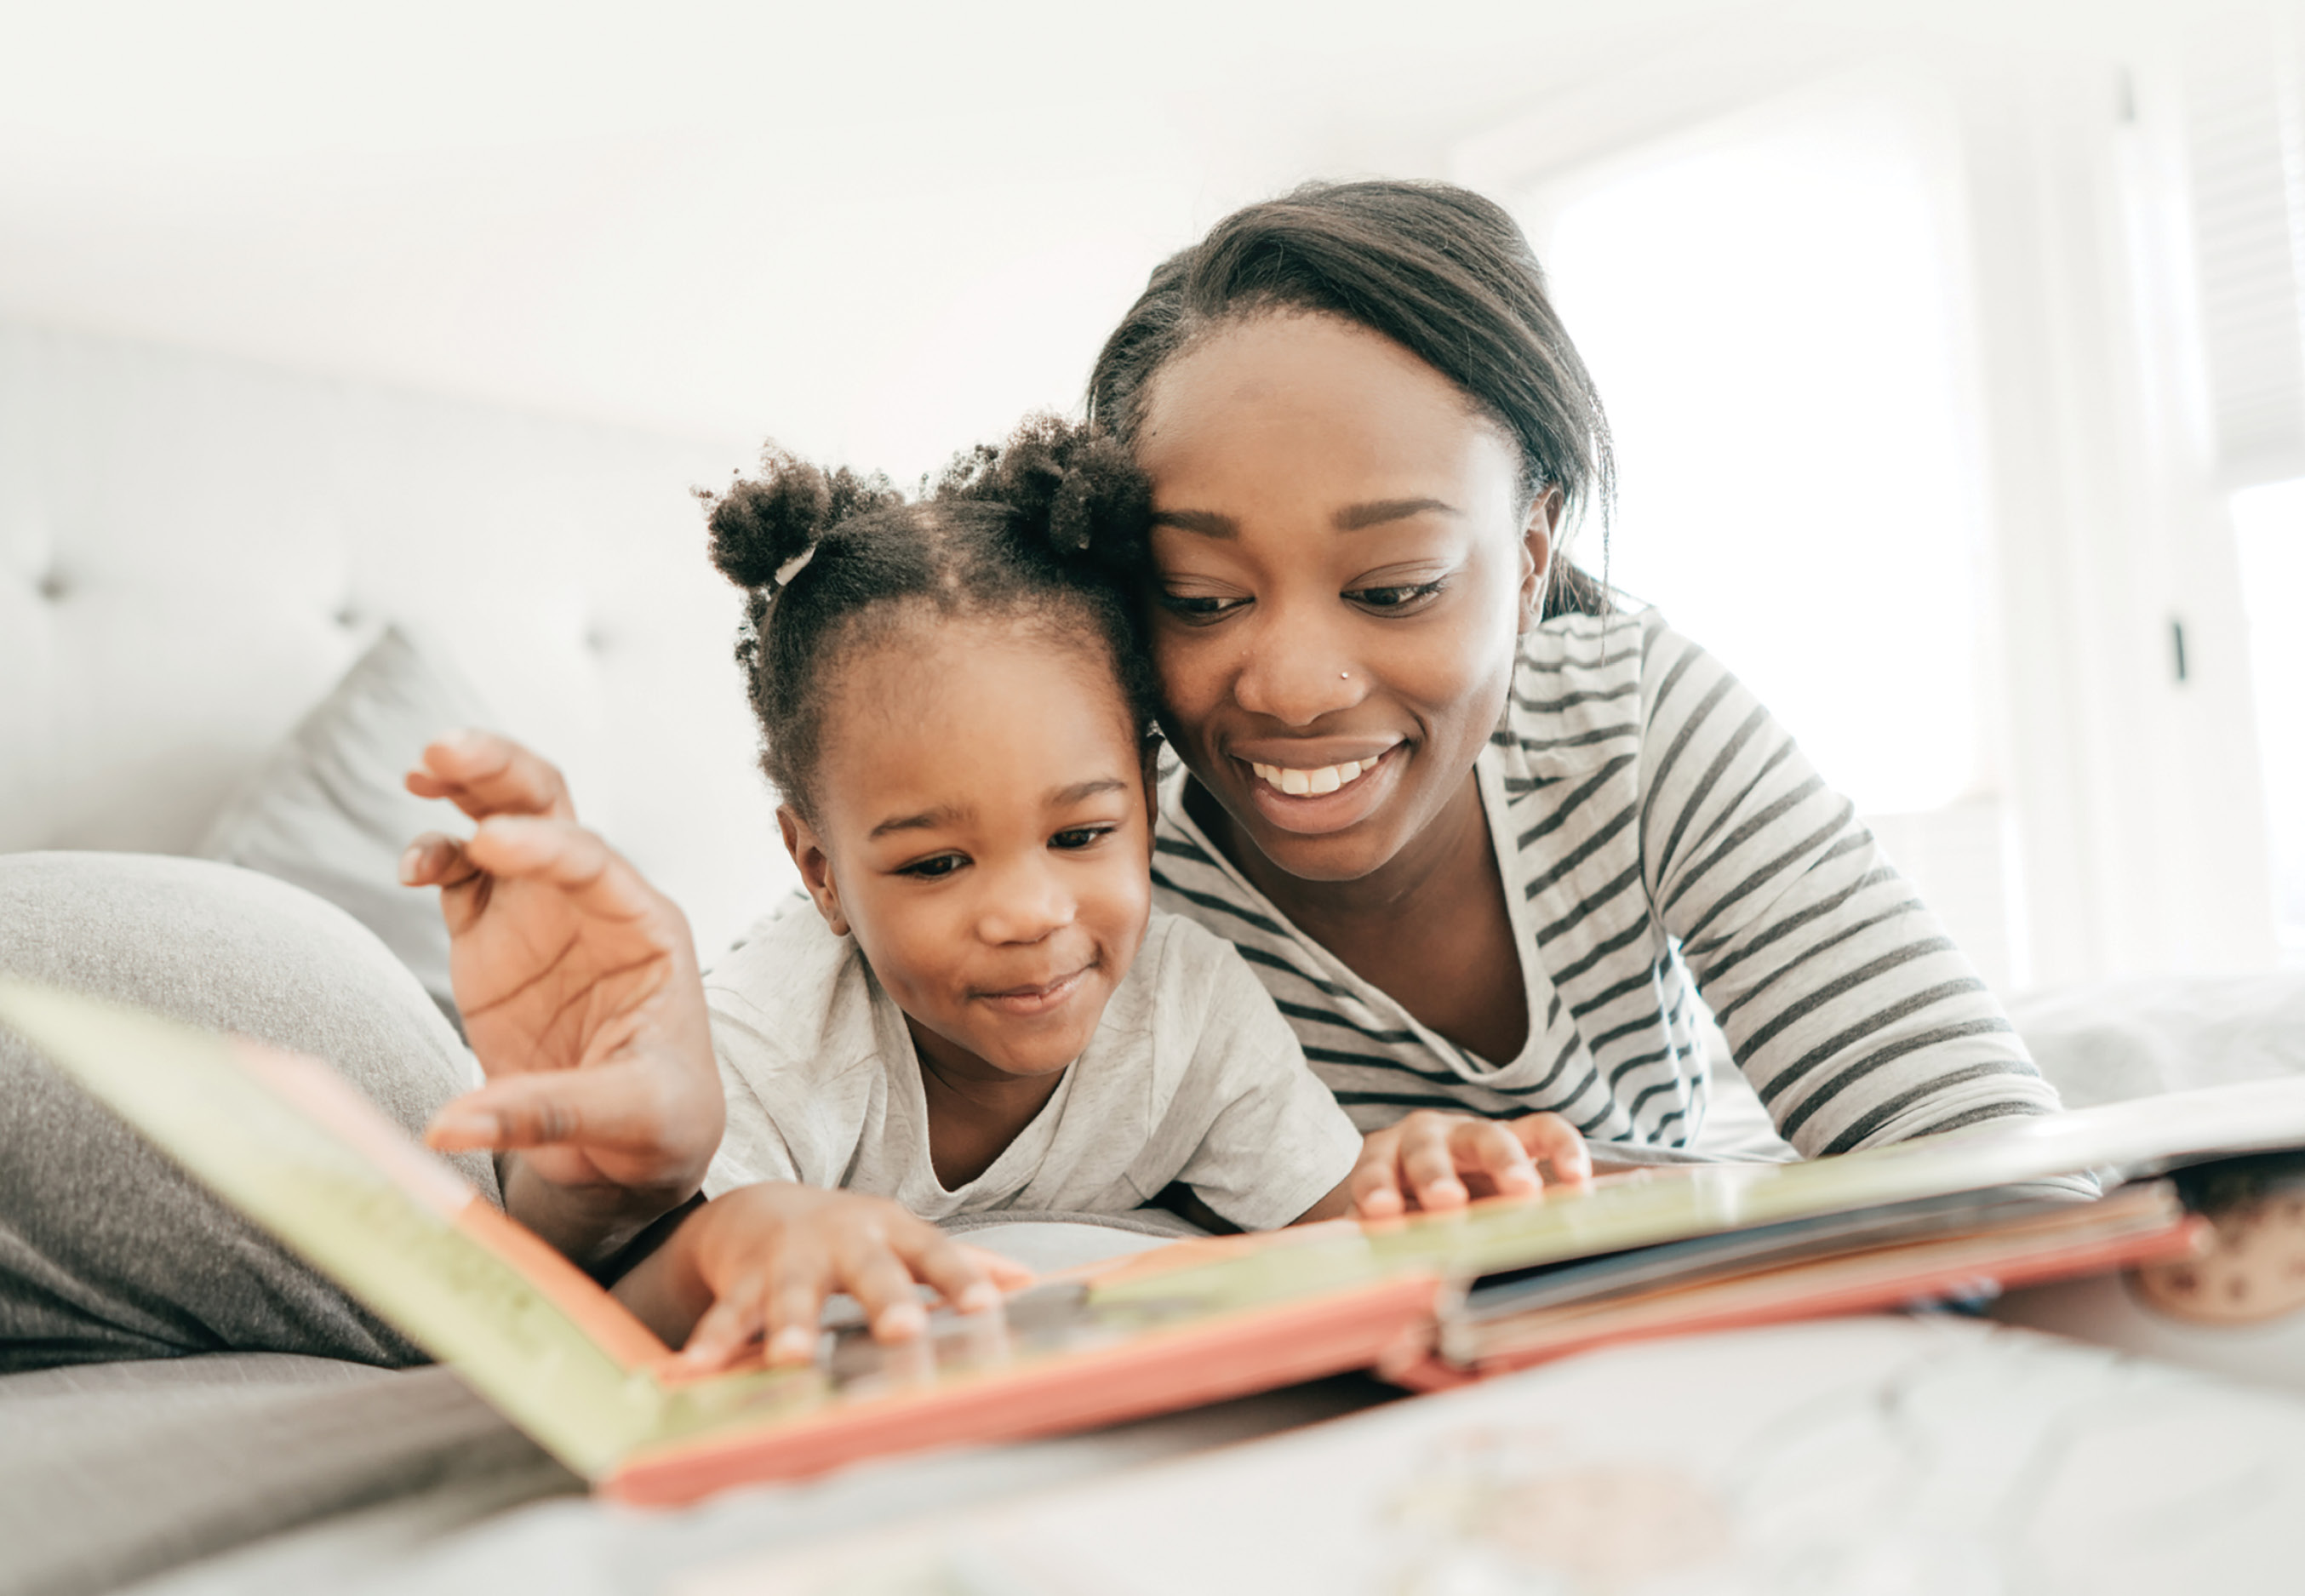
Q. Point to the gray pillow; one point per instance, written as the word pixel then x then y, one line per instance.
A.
pixel 327 810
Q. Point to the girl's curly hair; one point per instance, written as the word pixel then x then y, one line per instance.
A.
pixel 1048 528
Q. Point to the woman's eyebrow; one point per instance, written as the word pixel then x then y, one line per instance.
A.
pixel 1207 522
pixel 1352 518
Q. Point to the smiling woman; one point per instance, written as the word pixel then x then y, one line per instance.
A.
pixel 1483 839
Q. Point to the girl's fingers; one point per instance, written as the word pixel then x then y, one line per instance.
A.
pixel 882 1283
pixel 1554 1140
pixel 485 774
pixel 796 1306
pixel 728 1326
pixel 968 1277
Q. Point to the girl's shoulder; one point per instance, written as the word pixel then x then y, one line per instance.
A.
pixel 794 985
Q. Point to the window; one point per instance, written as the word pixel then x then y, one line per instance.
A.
pixel 2269 528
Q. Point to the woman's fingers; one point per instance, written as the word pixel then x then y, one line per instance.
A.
pixel 608 1107
pixel 1553 1140
pixel 483 773
pixel 1492 1155
pixel 1375 1185
pixel 595 877
pixel 436 860
pixel 1428 1159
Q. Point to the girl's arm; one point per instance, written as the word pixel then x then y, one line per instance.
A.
pixel 758 1262
pixel 578 985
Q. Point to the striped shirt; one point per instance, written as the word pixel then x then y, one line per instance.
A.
pixel 1661 838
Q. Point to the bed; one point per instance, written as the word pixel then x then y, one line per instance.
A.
pixel 340 571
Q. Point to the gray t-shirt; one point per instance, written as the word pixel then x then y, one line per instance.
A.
pixel 1192 1075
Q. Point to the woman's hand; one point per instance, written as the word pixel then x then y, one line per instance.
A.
pixel 757 1264
pixel 1433 1161
pixel 580 993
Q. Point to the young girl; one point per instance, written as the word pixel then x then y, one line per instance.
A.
pixel 979 1009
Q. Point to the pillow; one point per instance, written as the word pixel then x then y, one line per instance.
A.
pixel 327 810
pixel 2130 1038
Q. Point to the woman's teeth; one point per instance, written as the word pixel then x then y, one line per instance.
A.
pixel 1302 783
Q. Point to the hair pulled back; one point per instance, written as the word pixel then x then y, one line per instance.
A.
pixel 1436 268
pixel 1042 530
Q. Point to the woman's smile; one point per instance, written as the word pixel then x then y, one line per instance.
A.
pixel 1315 790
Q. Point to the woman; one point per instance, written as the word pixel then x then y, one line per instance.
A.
pixel 1484 840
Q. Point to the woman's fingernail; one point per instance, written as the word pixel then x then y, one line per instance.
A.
pixel 980 1298
pixel 792 1345
pixel 462 1124
pixel 409 861
pixel 900 1321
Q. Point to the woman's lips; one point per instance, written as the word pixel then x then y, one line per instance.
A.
pixel 1298 795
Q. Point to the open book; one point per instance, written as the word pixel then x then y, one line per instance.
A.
pixel 1429 1300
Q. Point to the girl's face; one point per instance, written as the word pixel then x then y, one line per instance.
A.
pixel 982 830
pixel 1342 563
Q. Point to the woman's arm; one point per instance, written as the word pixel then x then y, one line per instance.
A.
pixel 1845 1004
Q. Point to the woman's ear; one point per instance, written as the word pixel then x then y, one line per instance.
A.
pixel 815 866
pixel 1537 555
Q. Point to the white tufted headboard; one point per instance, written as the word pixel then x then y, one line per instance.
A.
pixel 192 549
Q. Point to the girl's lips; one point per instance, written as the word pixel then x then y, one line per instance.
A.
pixel 1026 1001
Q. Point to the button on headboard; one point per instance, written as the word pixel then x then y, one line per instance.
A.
pixel 194 548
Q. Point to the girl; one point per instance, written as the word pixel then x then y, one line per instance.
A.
pixel 982 1010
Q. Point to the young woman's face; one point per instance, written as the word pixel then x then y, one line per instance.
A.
pixel 983 829
pixel 1343 563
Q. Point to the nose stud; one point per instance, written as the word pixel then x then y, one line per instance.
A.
pixel 1344 675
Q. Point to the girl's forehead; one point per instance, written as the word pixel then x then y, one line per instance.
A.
pixel 928 674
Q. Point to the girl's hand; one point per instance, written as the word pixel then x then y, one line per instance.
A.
pixel 1433 1161
pixel 580 993
pixel 757 1264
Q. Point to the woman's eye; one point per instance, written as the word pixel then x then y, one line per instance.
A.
pixel 1200 607
pixel 1394 595
pixel 933 869
pixel 1079 836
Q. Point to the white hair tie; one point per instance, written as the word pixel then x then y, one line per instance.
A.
pixel 793 566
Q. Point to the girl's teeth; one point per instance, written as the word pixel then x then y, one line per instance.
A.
pixel 1300 784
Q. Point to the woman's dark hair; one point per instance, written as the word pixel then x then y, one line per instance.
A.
pixel 1030 530
pixel 1436 268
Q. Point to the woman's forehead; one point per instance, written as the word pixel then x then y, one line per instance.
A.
pixel 1317 393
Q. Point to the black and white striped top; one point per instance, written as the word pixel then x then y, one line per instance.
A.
pixel 1660 836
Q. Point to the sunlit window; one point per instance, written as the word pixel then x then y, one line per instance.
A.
pixel 2269 527
pixel 1768 314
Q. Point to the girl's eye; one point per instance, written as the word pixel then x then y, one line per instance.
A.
pixel 1079 836
pixel 934 868
pixel 1200 607
pixel 1395 596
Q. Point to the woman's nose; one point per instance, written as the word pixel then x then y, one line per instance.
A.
pixel 1295 674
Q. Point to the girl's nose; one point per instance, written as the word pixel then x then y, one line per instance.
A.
pixel 1024 905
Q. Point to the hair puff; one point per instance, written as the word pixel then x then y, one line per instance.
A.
pixel 1074 490
pixel 762 523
